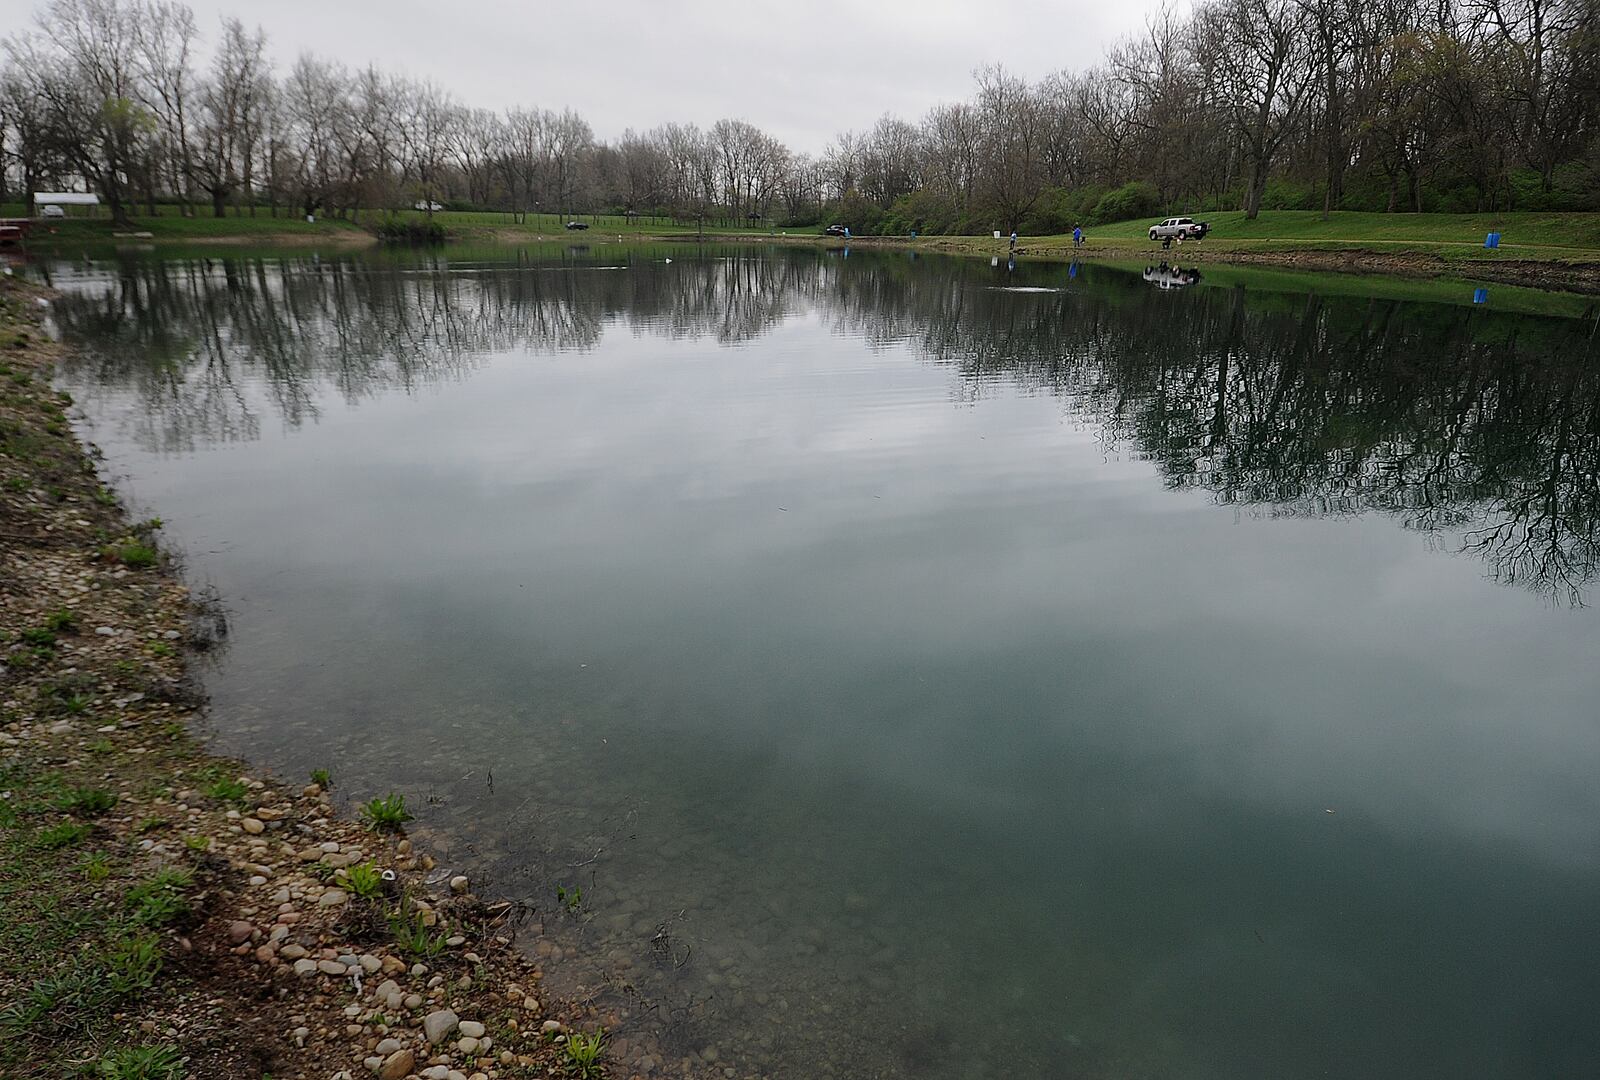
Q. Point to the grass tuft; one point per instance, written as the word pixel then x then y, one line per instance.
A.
pixel 364 879
pixel 386 814
pixel 160 899
pixel 85 802
pixel 412 933
pixel 584 1050
pixel 141 1063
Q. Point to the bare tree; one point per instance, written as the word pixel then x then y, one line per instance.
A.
pixel 1260 55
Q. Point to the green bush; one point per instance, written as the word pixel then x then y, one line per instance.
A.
pixel 410 232
pixel 1132 200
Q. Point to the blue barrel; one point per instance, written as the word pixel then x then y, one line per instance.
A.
pixel 1480 296
pixel 1492 240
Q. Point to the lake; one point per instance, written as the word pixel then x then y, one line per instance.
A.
pixel 916 666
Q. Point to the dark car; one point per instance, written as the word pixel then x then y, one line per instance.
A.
pixel 577 224
pixel 835 230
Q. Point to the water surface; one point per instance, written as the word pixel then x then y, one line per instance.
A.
pixel 1049 672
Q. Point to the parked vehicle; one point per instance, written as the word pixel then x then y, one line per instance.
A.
pixel 576 225
pixel 52 212
pixel 835 230
pixel 1179 228
pixel 427 206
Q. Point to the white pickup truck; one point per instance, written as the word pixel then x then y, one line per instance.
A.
pixel 1180 228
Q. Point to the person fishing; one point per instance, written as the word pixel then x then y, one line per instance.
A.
pixel 1013 241
pixel 1077 236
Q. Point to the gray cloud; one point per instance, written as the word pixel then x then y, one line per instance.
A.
pixel 802 71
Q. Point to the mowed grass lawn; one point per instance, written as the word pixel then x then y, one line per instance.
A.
pixel 1576 232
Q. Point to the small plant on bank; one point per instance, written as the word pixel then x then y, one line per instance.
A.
pixel 159 900
pixel 572 898
pixel 387 814
pixel 412 933
pixel 197 843
pixel 149 825
pixel 141 1063
pixel 322 778
pixel 101 746
pixel 39 636
pixel 61 622
pixel 66 834
pixel 583 1051
pixel 96 866
pixel 86 802
pixel 63 1001
pixel 228 789
pixel 134 963
pixel 137 556
pixel 364 879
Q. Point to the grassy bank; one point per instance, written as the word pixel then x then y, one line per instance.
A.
pixel 168 913
pixel 1538 250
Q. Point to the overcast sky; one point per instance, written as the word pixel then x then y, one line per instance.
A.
pixel 802 70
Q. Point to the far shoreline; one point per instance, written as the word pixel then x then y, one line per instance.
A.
pixel 1564 269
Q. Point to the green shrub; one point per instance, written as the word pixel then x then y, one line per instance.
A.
pixel 1137 199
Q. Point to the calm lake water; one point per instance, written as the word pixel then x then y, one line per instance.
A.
pixel 1066 672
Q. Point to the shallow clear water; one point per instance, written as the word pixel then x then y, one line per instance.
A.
pixel 977 673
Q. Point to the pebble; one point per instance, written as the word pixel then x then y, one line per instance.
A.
pixel 105 631
pixel 292 951
pixel 471 1029
pixel 397 1065
pixel 305 967
pixel 239 931
pixel 252 826
pixel 329 967
pixel 437 1072
pixel 413 1001
pixel 369 963
pixel 333 898
pixel 387 1047
pixel 467 1046
pixel 436 1025
pixel 458 884
pixel 550 1027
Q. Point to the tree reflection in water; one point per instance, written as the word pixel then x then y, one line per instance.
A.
pixel 1472 424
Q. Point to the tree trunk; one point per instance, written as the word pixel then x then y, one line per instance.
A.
pixel 1254 191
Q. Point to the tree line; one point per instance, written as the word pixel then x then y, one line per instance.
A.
pixel 1393 105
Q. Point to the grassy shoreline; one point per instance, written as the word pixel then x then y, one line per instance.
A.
pixel 170 913
pixel 1549 251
